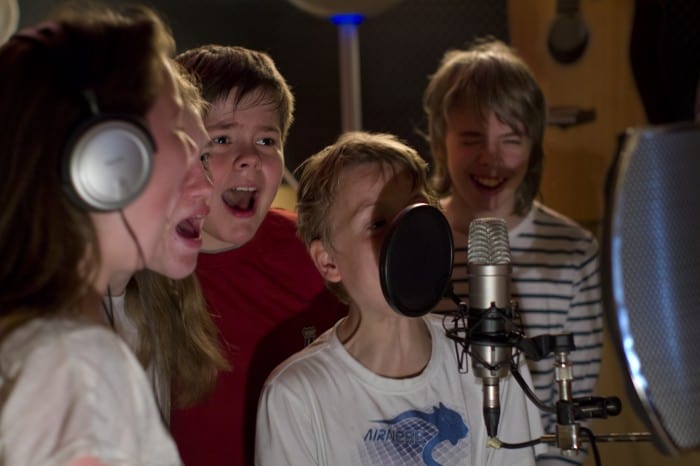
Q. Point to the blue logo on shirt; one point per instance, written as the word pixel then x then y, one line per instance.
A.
pixel 414 433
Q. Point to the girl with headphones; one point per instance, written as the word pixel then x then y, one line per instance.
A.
pixel 93 159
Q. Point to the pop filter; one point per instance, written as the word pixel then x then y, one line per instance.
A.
pixel 651 277
pixel 415 264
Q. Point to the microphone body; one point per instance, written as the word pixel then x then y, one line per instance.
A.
pixel 490 314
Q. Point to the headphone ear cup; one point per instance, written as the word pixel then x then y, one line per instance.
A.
pixel 108 162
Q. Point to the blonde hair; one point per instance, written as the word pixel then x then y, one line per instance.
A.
pixel 190 89
pixel 319 177
pixel 177 334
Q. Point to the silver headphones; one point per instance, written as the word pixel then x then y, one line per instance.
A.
pixel 108 158
pixel 107 161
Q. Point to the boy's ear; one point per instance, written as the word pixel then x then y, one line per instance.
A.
pixel 324 261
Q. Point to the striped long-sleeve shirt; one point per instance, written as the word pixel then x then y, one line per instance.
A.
pixel 556 285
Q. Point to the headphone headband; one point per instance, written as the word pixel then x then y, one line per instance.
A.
pixel 107 161
pixel 47 34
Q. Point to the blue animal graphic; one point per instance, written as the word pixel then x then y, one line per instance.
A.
pixel 448 422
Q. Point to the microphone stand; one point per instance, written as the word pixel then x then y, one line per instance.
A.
pixel 611 437
pixel 569 410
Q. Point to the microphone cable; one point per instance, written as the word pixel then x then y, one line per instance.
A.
pixel 594 446
pixel 531 395
pixel 515 372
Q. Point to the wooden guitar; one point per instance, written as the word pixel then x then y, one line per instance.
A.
pixel 600 79
pixel 577 157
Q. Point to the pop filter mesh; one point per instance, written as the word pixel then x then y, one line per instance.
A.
pixel 416 260
pixel 652 277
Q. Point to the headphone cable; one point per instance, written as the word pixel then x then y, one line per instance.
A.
pixel 145 302
pixel 133 237
pixel 108 308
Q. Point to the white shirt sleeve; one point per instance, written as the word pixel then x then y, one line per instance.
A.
pixel 79 394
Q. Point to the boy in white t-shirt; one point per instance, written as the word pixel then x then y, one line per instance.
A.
pixel 379 387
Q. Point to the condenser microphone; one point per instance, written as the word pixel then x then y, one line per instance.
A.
pixel 490 313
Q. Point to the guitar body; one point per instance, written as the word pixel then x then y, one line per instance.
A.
pixel 577 157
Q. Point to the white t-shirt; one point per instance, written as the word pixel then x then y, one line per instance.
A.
pixel 322 407
pixel 126 329
pixel 71 390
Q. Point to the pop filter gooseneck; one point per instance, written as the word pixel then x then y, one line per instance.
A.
pixel 415 264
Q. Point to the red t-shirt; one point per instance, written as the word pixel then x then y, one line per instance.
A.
pixel 268 301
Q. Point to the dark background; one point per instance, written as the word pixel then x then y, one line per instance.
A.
pixel 398 50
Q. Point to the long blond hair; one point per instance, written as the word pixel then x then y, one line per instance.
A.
pixel 177 334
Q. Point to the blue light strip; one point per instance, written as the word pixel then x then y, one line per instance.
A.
pixel 344 19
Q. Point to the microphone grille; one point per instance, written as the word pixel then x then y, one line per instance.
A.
pixel 488 242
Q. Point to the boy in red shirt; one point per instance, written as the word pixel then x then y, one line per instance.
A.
pixel 263 291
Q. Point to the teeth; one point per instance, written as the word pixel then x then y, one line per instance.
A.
pixel 244 189
pixel 489 182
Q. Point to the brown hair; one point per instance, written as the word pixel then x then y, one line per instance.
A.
pixel 190 89
pixel 48 245
pixel 222 70
pixel 489 76
pixel 319 177
pixel 176 332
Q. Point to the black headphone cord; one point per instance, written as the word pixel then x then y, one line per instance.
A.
pixel 151 327
pixel 108 308
pixel 133 237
